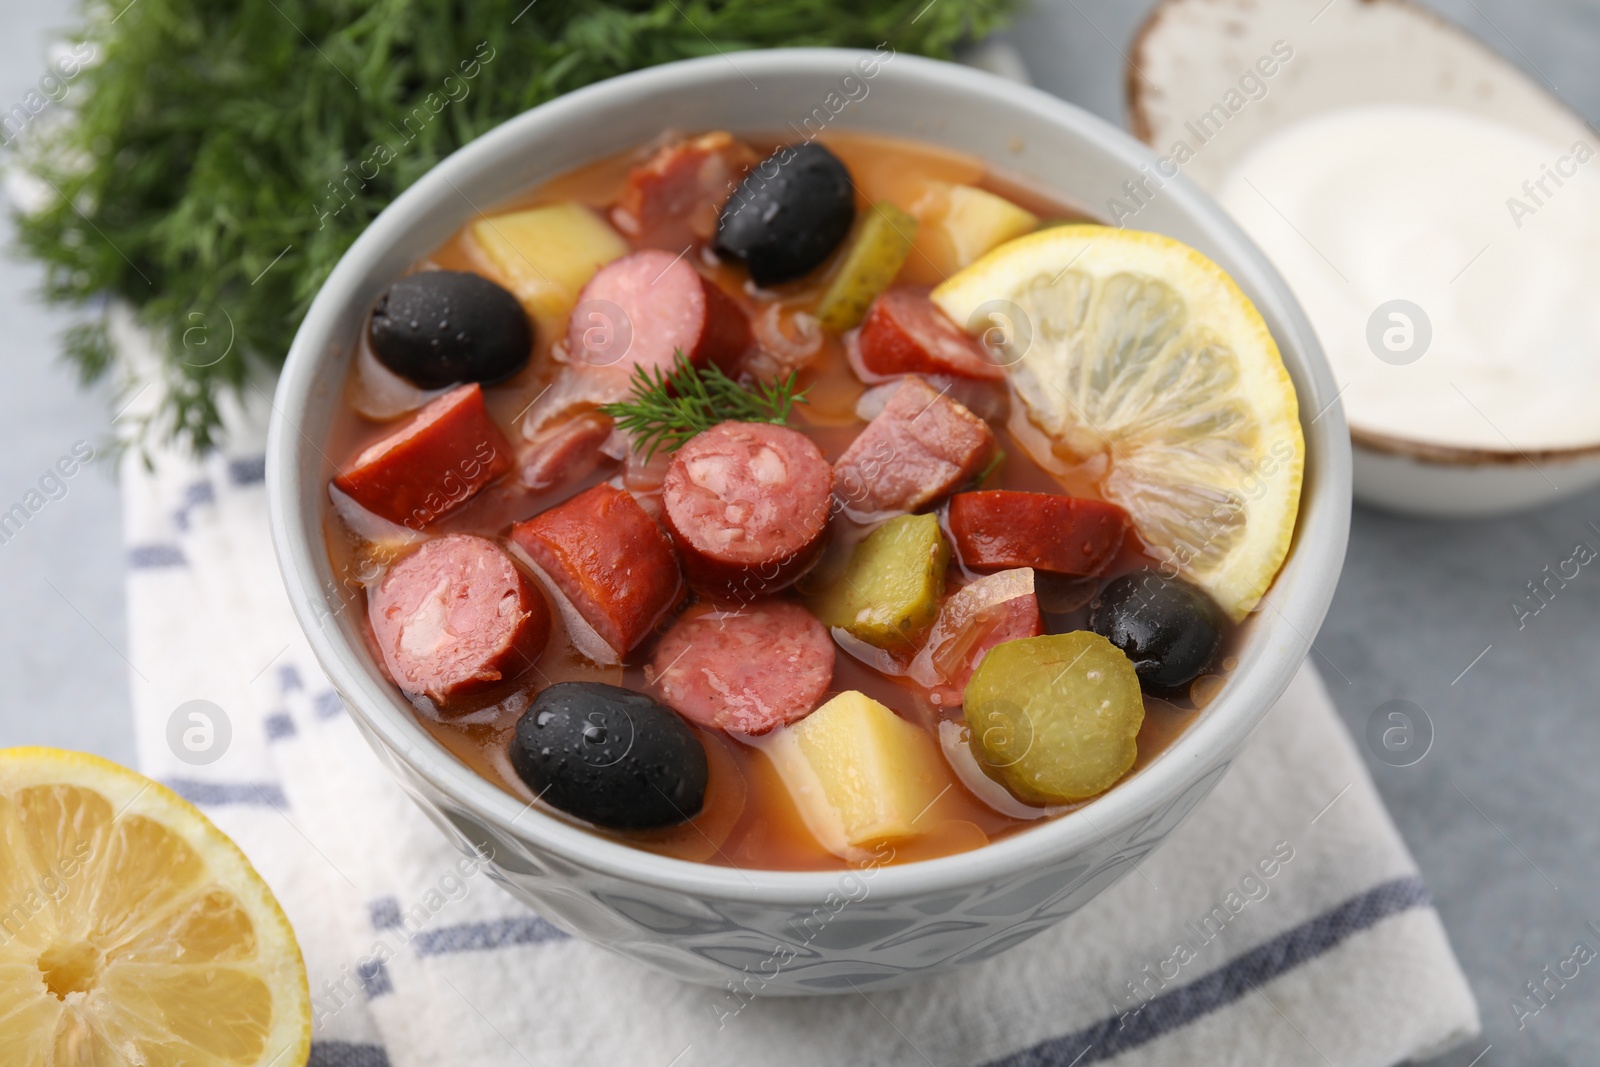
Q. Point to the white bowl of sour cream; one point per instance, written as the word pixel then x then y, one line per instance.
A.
pixel 1447 261
pixel 1437 214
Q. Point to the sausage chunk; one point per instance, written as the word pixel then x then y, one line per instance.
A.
pixel 666 305
pixel 999 529
pixel 609 558
pixel 984 613
pixel 919 447
pixel 431 465
pixel 746 671
pixel 566 454
pixel 906 333
pixel 747 504
pixel 673 198
pixel 457 616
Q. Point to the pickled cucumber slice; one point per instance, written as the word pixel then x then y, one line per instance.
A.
pixel 890 591
pixel 1055 718
pixel 877 252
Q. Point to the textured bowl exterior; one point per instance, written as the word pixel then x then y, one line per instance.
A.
pixel 774 932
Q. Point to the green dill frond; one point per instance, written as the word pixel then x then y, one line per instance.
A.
pixel 664 410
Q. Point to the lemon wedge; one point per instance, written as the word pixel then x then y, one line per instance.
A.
pixel 133 931
pixel 1133 352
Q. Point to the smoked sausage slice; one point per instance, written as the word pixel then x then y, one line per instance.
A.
pixel 749 670
pixel 666 305
pixel 431 465
pixel 999 529
pixel 457 616
pixel 609 558
pixel 919 447
pixel 673 198
pixel 747 504
pixel 906 333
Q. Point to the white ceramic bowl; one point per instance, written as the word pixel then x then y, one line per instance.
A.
pixel 713 924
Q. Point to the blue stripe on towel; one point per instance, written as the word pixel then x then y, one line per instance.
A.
pixel 151 557
pixel 475 937
pixel 327 704
pixel 385 913
pixel 279 725
pixel 346 1054
pixel 1181 1006
pixel 247 470
pixel 375 981
pixel 268 794
pixel 195 494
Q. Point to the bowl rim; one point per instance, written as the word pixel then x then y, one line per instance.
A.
pixel 1315 557
pixel 1472 457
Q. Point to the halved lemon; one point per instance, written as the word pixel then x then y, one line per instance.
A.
pixel 1138 357
pixel 133 931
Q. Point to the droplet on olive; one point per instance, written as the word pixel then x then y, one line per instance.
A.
pixel 791 210
pixel 1171 630
pixel 611 756
pixel 440 327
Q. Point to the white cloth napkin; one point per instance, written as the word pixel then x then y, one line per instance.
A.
pixel 417 958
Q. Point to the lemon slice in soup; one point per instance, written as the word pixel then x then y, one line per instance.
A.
pixel 1134 350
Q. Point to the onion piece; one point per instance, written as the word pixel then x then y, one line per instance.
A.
pixel 378 393
pixel 958 753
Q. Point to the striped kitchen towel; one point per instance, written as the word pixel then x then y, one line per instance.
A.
pixel 1283 923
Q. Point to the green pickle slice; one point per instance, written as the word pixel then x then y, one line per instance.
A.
pixel 1056 718
pixel 890 591
pixel 879 250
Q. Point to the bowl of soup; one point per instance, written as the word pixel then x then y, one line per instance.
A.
pixel 766 524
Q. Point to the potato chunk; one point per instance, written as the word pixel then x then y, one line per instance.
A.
pixel 545 256
pixel 962 222
pixel 859 773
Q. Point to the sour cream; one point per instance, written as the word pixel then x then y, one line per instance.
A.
pixel 1493 234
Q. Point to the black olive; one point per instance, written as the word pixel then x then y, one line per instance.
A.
pixel 791 210
pixel 440 327
pixel 611 756
pixel 1170 629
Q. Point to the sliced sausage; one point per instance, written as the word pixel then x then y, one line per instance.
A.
pixel 666 305
pixel 567 453
pixel 1000 528
pixel 748 670
pixel 920 446
pixel 747 504
pixel 672 199
pixel 609 559
pixel 457 616
pixel 906 333
pixel 431 465
pixel 984 613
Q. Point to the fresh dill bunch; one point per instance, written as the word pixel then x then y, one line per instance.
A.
pixel 215 158
pixel 665 409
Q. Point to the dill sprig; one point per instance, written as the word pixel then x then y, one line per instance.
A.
pixel 217 157
pixel 665 409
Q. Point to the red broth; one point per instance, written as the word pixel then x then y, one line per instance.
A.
pixel 748 819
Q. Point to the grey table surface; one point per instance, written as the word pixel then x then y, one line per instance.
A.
pixel 1501 813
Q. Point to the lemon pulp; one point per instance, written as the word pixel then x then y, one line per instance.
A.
pixel 132 930
pixel 1133 351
